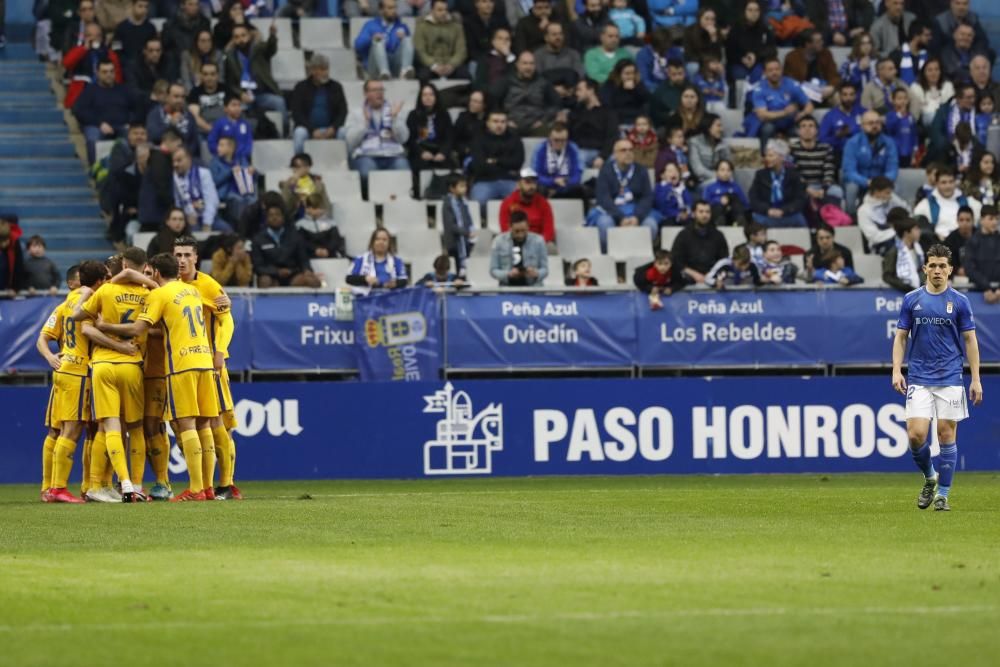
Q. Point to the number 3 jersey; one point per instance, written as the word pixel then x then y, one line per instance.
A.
pixel 180 307
pixel 117 304
pixel 75 347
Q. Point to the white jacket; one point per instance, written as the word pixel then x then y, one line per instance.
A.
pixel 947 218
pixel 871 218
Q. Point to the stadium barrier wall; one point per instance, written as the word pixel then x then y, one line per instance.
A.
pixel 544 330
pixel 375 430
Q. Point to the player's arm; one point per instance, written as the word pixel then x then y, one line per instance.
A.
pixel 95 336
pixel 133 277
pixel 127 330
pixel 223 337
pixel 898 354
pixel 42 345
pixel 88 306
pixel 972 354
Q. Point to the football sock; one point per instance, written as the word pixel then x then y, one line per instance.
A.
pixel 207 457
pixel 224 453
pixel 137 455
pixel 116 454
pixel 99 462
pixel 48 449
pixel 232 456
pixel 62 462
pixel 192 454
pixel 922 457
pixel 88 444
pixel 947 461
pixel 159 454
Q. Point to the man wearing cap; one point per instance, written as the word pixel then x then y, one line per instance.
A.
pixel 535 206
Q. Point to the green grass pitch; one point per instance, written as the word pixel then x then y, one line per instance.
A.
pixel 766 570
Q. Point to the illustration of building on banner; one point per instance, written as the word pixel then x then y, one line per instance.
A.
pixel 465 442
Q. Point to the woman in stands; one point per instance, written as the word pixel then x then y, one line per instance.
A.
pixel 378 268
pixel 859 68
pixel 702 39
pixel 203 51
pixel 174 226
pixel 982 181
pixel 624 93
pixel 749 42
pixel 431 134
pixel 929 92
pixel 707 149
pixel 690 112
pixel 231 16
pixel 469 125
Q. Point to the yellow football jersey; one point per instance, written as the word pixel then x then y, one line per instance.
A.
pixel 155 363
pixel 75 347
pixel 180 307
pixel 218 320
pixel 117 304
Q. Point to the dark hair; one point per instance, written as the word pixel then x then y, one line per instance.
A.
pixel 661 255
pixel 301 157
pixel 229 98
pixel 741 253
pixel 896 213
pixel 113 264
pixel 518 216
pixel 880 183
pixel 72 271
pixel 965 209
pixel 171 134
pixel 593 85
pixel 186 241
pixel 37 239
pixel 560 126
pixel 660 40
pixel 947 169
pixel 209 64
pixel 91 272
pixel 825 227
pixel 137 122
pixel 442 263
pixel 831 256
pixel 806 36
pixel 768 60
pixel 771 242
pixel 938 250
pixel 454 179
pixel 752 228
pixel 615 78
pixel 699 202
pixel 903 226
pixel 165 265
pixel 847 83
pixel 577 263
pixel 134 256
pixel 901 89
pixel 104 60
pixel 809 118
pixel 922 77
pixel 882 60
pixel 438 107
pixel 379 230
pixel 228 241
pixel 989 210
pixel 675 63
pixel 916 28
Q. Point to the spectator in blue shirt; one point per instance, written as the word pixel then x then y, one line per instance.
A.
pixel 901 127
pixel 841 122
pixel 673 12
pixel 558 165
pixel 729 202
pixel 867 155
pixel 778 103
pixel 234 126
pixel 385 45
pixel 234 180
pixel 624 195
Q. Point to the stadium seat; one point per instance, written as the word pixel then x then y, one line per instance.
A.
pixel 783 52
pixel 798 236
pixel 327 154
pixel 567 213
pixel 819 112
pixel 734 236
pixel 668 235
pixel 285 42
pixel 557 272
pixel 840 54
pixel 493 215
pixel 415 242
pixel 869 267
pixel 158 23
pixel 277 121
pixel 320 34
pixel 473 212
pixel 402 90
pixel 288 68
pixel 273 155
pixel 389 185
pixel 425 178
pixel 632 263
pixel 332 271
pixel 624 242
pixel 356 222
pixel 484 243
pixel 578 242
pixel 205 266
pixel 343 64
pixel 744 178
pixel 530 144
pixel 342 185
pixel 908 183
pixel 732 121
pixel 477 270
pixel 404 214
pixel 142 239
pixel 602 267
pixel 102 149
pixel 851 238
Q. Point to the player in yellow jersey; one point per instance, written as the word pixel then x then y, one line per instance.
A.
pixel 155 391
pixel 117 377
pixel 69 403
pixel 192 400
pixel 220 328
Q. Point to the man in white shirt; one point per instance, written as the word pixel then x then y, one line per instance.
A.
pixel 940 207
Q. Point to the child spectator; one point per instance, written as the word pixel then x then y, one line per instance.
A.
pixel 459 228
pixel 930 182
pixel 441 275
pixel 736 270
pixel 873 214
pixel 837 273
pixel 233 125
pixel 671 200
pixel 645 143
pixel 729 202
pixel 675 151
pixel 658 278
pixel 301 184
pixel 710 80
pixel 580 275
pixel 631 26
pixel 984 117
pixel 320 232
pixel 777 269
pixel 231 265
pixel 901 127
pixel 234 180
pixel 756 236
pixel 41 271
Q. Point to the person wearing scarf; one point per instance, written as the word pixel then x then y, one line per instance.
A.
pixel 195 193
pixel 778 194
pixel 459 229
pixel 378 268
pixel 877 95
pixel 82 63
pixel 376 133
pixel 558 164
pixel 902 265
pixel 911 55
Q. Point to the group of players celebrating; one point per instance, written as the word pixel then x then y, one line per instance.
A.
pixel 142 342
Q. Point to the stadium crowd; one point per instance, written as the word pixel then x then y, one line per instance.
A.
pixel 677 138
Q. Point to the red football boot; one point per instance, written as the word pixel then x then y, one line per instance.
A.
pixel 188 496
pixel 234 493
pixel 209 493
pixel 63 496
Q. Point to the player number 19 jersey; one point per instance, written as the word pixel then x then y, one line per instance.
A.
pixel 186 340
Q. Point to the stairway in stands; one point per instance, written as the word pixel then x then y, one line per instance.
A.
pixel 42 179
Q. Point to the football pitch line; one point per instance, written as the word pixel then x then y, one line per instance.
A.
pixel 511 619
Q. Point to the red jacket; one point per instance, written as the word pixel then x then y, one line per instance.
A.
pixel 539 214
pixel 78 68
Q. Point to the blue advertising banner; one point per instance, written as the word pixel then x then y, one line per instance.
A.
pixel 398 335
pixel 533 330
pixel 554 427
pixel 21 320
pixel 300 332
pixel 240 358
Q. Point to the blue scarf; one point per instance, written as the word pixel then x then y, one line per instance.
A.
pixel 246 78
pixel 777 187
pixel 189 190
